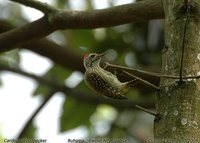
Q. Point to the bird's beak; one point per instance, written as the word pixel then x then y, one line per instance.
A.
pixel 100 55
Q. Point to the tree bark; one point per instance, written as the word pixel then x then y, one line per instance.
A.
pixel 178 102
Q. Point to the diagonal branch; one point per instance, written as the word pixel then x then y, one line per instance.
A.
pixel 142 81
pixel 18 36
pixel 32 117
pixel 142 72
pixel 57 53
pixel 64 19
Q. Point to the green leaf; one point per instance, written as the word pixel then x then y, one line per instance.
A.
pixel 61 3
pixel 41 89
pixel 75 114
pixel 82 38
pixel 56 73
pixel 1 139
pixel 82 87
pixel 11 58
pixel 1 83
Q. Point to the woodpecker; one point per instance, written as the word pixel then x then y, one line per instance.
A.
pixel 102 81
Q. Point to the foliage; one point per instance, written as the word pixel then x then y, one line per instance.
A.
pixel 75 114
pixel 130 45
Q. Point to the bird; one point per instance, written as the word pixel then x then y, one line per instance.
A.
pixel 102 81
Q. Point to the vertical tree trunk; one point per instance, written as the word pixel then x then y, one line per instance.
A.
pixel 179 102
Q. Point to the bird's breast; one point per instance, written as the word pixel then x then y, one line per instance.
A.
pixel 105 83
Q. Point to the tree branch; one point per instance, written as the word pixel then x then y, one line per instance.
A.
pixel 58 54
pixel 26 126
pixel 142 81
pixel 79 95
pixel 50 49
pixel 153 74
pixel 64 19
pixel 18 36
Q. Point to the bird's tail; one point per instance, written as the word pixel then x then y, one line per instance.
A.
pixel 132 82
pixel 127 85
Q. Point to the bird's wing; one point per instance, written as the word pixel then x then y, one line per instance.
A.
pixel 97 83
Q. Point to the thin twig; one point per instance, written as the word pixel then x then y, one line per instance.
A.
pixel 28 123
pixel 108 65
pixel 146 110
pixel 183 41
pixel 141 80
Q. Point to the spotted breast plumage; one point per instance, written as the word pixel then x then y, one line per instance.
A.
pixel 98 84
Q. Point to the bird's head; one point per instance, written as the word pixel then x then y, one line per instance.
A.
pixel 92 60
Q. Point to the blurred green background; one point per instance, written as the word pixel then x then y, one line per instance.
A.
pixel 137 45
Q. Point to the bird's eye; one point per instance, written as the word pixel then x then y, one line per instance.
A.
pixel 92 56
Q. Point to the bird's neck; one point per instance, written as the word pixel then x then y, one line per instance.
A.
pixel 95 68
pixel 93 65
